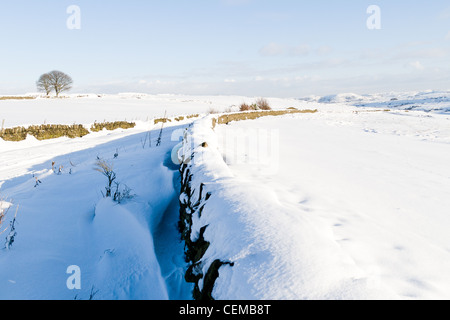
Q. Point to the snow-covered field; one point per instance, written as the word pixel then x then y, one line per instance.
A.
pixel 363 214
pixel 90 108
pixel 348 203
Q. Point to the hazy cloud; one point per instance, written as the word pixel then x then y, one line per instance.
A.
pixel 300 50
pixel 324 50
pixel 444 14
pixel 235 2
pixel 272 50
pixel 275 49
pixel 417 65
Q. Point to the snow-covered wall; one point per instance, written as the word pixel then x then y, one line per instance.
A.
pixel 194 195
pixel 243 243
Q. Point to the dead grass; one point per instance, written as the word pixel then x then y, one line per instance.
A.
pixel 263 104
pixel 212 111
pixel 260 104
pixel 246 107
pixel 227 118
pixel 3 212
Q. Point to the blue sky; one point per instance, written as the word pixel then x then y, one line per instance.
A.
pixel 285 48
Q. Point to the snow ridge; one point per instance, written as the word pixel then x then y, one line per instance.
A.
pixel 244 244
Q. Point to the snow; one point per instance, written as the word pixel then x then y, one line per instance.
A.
pixel 277 252
pixel 66 221
pixel 347 203
pixel 377 201
pixel 89 108
pixel 428 101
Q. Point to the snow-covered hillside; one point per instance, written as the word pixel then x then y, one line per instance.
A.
pixel 350 202
pixel 428 101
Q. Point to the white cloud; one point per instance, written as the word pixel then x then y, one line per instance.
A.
pixel 447 37
pixel 417 65
pixel 324 50
pixel 444 14
pixel 275 49
pixel 300 50
pixel 296 84
pixel 272 49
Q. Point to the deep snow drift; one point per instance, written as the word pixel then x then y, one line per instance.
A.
pixel 65 220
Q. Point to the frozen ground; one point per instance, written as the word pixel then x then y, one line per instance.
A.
pixel 350 202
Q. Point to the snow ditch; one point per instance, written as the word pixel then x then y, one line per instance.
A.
pixel 230 255
pixel 65 221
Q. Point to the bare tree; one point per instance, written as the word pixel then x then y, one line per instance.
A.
pixel 44 84
pixel 60 81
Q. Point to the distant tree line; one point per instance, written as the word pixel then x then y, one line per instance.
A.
pixel 56 81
